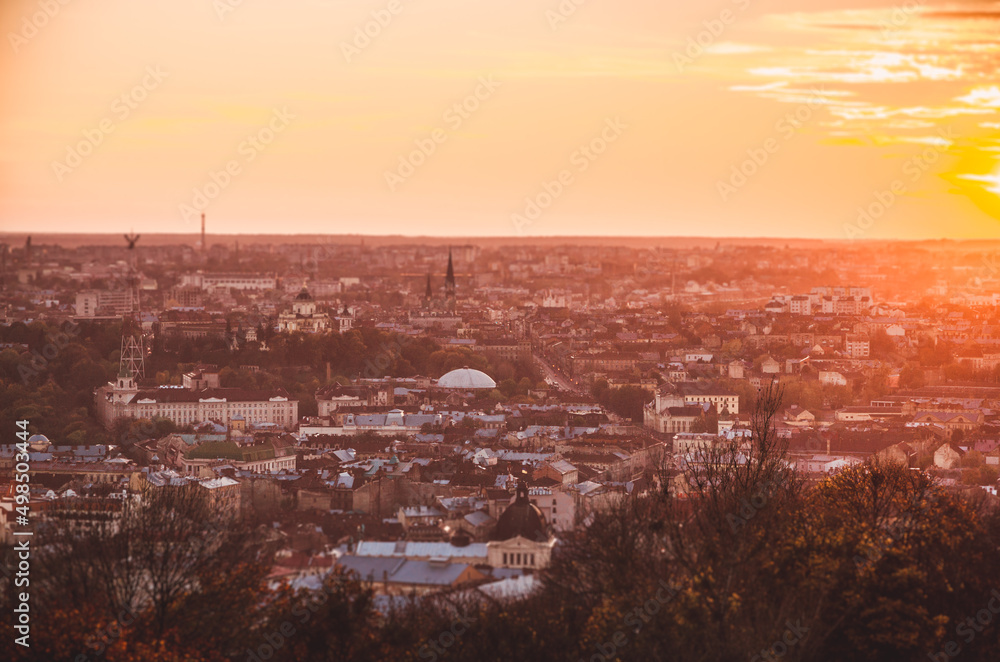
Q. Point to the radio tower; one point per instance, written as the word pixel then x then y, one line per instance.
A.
pixel 132 363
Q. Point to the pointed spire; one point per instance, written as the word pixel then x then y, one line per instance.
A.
pixel 449 279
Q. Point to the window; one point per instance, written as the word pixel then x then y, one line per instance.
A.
pixel 505 558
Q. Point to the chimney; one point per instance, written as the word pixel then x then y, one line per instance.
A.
pixel 203 246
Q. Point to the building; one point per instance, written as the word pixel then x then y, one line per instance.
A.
pixel 509 350
pixel 726 402
pixel 521 539
pixel 951 420
pixel 832 378
pixel 948 456
pixel 799 305
pixel 303 316
pixel 266 457
pixel 123 398
pixel 466 379
pixel 686 443
pixel 671 420
pixel 230 281
pixel 560 471
pixel 96 303
pixel 557 506
pixel 331 399
pixel 857 346
pixel 401 576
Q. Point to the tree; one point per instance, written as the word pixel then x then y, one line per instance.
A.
pixel 911 376
pixel 149 557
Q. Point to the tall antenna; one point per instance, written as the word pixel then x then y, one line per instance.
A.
pixel 132 362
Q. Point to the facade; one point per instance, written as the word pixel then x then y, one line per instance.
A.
pixel 509 350
pixel 832 378
pixel 104 302
pixel 671 420
pixel 303 316
pixel 951 420
pixel 268 457
pixel 124 399
pixel 230 281
pixel 557 507
pixel 799 305
pixel 724 401
pixel 857 346
pixel 521 539
pixel 688 442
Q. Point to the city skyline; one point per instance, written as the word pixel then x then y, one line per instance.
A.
pixel 772 119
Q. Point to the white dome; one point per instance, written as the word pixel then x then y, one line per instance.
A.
pixel 39 443
pixel 466 378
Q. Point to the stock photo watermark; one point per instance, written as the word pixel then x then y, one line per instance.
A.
pixel 366 33
pixel 455 116
pixel 968 628
pixel 32 24
pixel 440 644
pixel 254 144
pixel 225 7
pixel 882 200
pixel 714 28
pixel 635 620
pixel 757 157
pixel 38 361
pixel 580 159
pixel 122 108
pixel 900 17
pixel 793 634
pixel 562 12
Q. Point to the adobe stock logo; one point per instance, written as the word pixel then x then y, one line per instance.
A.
pixel 365 34
pixel 122 108
pixel 31 25
pixel 581 159
pixel 883 200
pixel 968 628
pixel 454 117
pixel 757 157
pixel 713 29
pixel 254 144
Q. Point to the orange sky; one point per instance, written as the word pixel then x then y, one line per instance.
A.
pixel 464 117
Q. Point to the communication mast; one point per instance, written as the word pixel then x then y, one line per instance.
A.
pixel 132 362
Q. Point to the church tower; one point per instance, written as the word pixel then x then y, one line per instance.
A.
pixel 449 279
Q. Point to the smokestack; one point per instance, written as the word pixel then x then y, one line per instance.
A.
pixel 203 247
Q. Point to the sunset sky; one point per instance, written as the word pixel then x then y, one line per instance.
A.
pixel 119 114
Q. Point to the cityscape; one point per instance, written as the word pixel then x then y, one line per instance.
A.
pixel 543 331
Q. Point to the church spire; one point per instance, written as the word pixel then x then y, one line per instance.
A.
pixel 449 279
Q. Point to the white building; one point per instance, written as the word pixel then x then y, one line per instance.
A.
pixel 303 316
pixel 123 398
pixel 230 281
